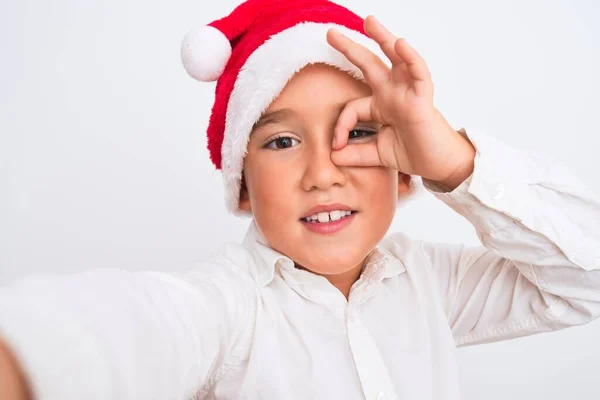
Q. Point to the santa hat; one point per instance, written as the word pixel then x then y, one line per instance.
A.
pixel 252 53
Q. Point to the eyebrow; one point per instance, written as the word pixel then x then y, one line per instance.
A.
pixel 272 117
pixel 276 116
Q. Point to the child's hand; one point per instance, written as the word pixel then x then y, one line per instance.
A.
pixel 415 138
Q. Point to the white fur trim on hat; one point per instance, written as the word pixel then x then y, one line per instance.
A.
pixel 261 80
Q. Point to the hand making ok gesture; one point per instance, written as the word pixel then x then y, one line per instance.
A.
pixel 415 138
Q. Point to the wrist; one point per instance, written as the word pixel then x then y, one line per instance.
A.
pixel 464 154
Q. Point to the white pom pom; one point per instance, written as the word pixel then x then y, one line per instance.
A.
pixel 204 53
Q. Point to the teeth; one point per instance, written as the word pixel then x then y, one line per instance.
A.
pixel 324 217
pixel 335 215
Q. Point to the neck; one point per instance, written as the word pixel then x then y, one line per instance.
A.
pixel 344 281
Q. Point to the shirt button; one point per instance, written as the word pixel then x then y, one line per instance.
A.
pixel 381 396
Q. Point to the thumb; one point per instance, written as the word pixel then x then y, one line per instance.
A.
pixel 357 155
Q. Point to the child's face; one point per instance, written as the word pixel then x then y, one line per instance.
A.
pixel 288 172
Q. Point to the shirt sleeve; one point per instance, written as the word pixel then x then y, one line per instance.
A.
pixel 539 267
pixel 113 334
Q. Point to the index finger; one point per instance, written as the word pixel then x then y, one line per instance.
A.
pixel 353 112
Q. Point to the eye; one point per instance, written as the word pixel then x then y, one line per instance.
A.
pixel 282 143
pixel 360 133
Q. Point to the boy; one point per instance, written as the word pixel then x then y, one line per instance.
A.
pixel 318 140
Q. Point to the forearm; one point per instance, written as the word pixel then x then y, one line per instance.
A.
pixel 541 268
pixel 13 385
pixel 113 334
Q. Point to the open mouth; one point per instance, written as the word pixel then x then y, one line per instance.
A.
pixel 326 217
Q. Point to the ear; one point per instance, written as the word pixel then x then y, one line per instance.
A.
pixel 244 202
pixel 404 184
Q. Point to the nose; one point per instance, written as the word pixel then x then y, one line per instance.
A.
pixel 319 171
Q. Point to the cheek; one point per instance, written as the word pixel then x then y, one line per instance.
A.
pixel 380 186
pixel 269 184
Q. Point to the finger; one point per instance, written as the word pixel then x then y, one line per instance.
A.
pixel 373 68
pixel 354 111
pixel 357 155
pixel 415 64
pixel 384 38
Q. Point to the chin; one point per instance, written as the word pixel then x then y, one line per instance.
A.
pixel 330 262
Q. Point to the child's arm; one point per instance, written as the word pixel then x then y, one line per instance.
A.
pixel 12 381
pixel 540 267
pixel 109 334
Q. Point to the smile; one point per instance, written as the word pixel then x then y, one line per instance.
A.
pixel 328 219
pixel 325 217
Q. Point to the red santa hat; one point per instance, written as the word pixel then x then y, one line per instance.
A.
pixel 252 53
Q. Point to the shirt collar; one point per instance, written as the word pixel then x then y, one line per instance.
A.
pixel 266 259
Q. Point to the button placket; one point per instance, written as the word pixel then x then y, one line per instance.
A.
pixel 369 363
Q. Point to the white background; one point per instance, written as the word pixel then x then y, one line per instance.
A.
pixel 103 159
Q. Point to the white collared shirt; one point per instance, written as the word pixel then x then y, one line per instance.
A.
pixel 248 325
